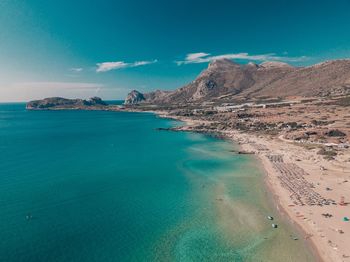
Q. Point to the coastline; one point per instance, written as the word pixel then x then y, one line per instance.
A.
pixel 276 204
pixel 301 189
pixel 322 239
pixel 325 239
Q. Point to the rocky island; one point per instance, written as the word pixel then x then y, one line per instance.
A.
pixel 59 103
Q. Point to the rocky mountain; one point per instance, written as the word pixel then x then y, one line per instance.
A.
pixel 225 80
pixel 134 97
pixel 64 103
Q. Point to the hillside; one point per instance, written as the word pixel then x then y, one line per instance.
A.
pixel 225 80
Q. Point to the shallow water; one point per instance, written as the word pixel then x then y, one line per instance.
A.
pixel 106 186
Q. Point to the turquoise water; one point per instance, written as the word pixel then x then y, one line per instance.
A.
pixel 106 186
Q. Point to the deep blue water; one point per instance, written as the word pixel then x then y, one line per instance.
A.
pixel 107 186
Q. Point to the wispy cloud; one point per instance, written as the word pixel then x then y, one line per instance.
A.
pixel 201 57
pixel 108 66
pixel 76 69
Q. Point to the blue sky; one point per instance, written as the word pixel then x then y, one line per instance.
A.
pixel 106 48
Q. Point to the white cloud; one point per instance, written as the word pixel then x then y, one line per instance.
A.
pixel 76 69
pixel 141 63
pixel 201 57
pixel 107 66
pixel 194 56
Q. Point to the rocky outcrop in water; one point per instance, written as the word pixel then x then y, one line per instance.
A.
pixel 64 103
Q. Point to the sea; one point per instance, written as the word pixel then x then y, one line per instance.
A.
pixel 109 186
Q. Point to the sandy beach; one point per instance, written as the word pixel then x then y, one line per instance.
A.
pixel 309 192
pixel 308 189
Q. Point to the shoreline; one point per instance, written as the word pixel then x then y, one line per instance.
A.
pixel 276 205
pixel 273 198
pixel 308 218
pixel 316 234
pixel 304 187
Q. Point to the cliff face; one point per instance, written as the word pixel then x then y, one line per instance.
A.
pixel 64 103
pixel 224 80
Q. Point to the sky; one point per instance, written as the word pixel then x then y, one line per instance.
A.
pixel 105 48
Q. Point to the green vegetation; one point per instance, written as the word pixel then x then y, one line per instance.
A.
pixel 328 153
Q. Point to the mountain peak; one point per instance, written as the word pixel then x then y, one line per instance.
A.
pixel 252 65
pixel 222 63
pixel 274 64
pixel 225 80
pixel 134 97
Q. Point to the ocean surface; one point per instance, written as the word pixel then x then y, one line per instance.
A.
pixel 107 186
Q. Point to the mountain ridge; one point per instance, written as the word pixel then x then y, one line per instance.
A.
pixel 226 78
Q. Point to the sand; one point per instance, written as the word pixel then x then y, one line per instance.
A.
pixel 329 180
pixel 306 187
